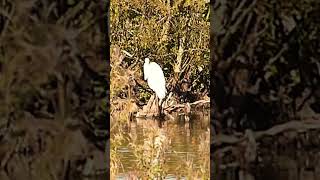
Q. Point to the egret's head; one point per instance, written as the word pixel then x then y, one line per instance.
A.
pixel 147 60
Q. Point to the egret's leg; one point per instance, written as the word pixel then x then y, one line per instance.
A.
pixel 160 106
pixel 150 107
pixel 155 103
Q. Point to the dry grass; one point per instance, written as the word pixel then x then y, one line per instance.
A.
pixel 150 155
pixel 188 168
pixel 42 81
pixel 174 35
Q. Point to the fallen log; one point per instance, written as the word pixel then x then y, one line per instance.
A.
pixel 150 109
pixel 180 106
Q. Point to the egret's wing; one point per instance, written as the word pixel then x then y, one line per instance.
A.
pixel 156 80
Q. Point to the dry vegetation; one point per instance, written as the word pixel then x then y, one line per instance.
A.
pixel 53 90
pixel 267 62
pixel 174 34
pixel 266 78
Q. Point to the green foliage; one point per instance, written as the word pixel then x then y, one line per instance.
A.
pixel 174 34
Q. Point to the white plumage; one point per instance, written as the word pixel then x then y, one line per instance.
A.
pixel 155 78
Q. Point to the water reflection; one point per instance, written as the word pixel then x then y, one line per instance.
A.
pixel 183 132
pixel 290 163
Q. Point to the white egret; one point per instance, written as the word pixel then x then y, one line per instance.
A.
pixel 155 78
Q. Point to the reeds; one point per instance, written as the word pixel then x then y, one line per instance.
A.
pixel 150 155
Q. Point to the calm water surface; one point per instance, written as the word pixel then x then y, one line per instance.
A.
pixel 184 137
pixel 289 156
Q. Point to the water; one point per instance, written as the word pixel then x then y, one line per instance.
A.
pixel 281 157
pixel 282 167
pixel 184 135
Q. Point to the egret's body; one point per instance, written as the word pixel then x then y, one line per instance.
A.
pixel 155 78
